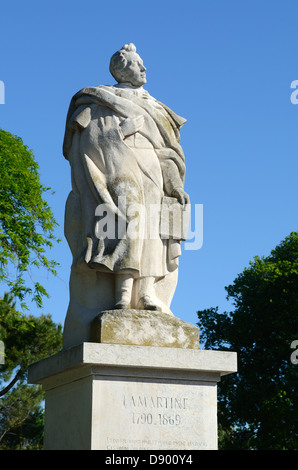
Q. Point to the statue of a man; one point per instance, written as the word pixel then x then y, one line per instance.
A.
pixel 124 151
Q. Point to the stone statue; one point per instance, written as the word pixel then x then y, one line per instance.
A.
pixel 126 160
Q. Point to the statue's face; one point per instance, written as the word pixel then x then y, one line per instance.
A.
pixel 134 72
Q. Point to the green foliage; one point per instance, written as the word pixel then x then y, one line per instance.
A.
pixel 22 419
pixel 26 221
pixel 27 339
pixel 258 407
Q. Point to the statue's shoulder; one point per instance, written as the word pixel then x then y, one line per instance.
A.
pixel 109 88
pixel 93 94
pixel 94 90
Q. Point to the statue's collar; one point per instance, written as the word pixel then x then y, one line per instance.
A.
pixel 132 90
pixel 128 85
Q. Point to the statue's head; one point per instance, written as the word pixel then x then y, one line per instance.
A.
pixel 127 66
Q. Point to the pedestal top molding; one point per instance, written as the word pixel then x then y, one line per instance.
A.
pixel 119 356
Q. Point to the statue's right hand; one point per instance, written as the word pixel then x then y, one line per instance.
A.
pixel 132 125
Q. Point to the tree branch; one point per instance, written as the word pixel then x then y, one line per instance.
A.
pixel 12 383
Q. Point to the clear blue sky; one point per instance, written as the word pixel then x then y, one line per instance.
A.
pixel 226 66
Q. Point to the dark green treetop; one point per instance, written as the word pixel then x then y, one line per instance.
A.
pixel 258 406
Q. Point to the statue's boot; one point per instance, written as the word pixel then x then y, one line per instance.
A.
pixel 123 291
pixel 149 304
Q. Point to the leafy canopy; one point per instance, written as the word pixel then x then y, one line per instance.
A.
pixel 26 340
pixel 26 221
pixel 258 407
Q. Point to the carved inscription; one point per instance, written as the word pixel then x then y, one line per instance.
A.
pixel 162 418
pixel 147 444
pixel 155 410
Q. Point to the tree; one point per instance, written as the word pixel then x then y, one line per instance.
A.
pixel 26 220
pixel 258 407
pixel 27 340
pixel 26 233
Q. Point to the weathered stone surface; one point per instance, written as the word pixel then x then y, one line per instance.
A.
pixel 144 328
pixel 116 397
pixel 127 211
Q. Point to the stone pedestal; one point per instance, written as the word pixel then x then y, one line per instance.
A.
pixel 144 328
pixel 115 396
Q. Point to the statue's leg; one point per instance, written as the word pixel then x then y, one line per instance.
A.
pixel 147 296
pixel 123 290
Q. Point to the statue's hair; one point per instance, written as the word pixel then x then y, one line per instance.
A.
pixel 130 47
pixel 118 60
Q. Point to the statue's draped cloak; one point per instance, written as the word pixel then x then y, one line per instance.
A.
pixel 105 166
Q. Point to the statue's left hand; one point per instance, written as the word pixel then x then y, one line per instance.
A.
pixel 181 196
pixel 132 125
